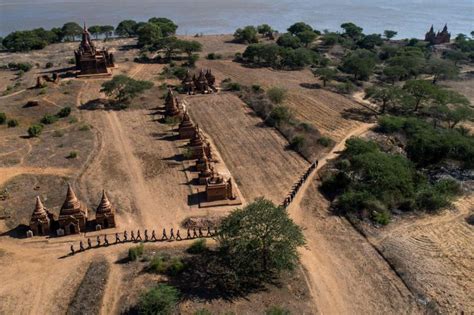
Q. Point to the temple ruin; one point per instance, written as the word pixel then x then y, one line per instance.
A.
pixel 91 61
pixel 186 127
pixel 438 38
pixel 172 106
pixel 219 188
pixel 73 217
pixel 105 213
pixel 41 219
pixel 203 83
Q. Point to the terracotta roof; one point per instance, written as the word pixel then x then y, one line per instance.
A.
pixel 105 206
pixel 72 205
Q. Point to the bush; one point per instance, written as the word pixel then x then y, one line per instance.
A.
pixel 84 127
pixel 279 115
pixel 35 130
pixel 214 56
pixel 297 143
pixel 390 124
pixel 325 141
pixel 197 247
pixel 3 118
pixel 276 94
pixel 72 155
pixel 135 252
pixel 49 119
pixel 276 310
pixel 161 299
pixel 165 265
pixel 49 65
pixel 247 35
pixel 21 66
pixel 12 123
pixel 233 86
pixel 64 112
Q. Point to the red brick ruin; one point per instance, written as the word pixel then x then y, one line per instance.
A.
pixel 73 216
pixel 438 38
pixel 204 83
pixel 91 61
pixel 172 105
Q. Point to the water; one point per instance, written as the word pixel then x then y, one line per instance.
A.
pixel 409 18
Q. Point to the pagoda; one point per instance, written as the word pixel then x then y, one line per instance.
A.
pixel 188 83
pixel 41 219
pixel 73 215
pixel 186 127
pixel 438 38
pixel 105 213
pixel 218 188
pixel 196 144
pixel 91 61
pixel 201 84
pixel 171 105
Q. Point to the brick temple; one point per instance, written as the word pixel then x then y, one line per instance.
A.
pixel 91 61
pixel 438 38
pixel 203 83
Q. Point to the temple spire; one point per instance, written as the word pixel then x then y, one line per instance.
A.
pixel 39 208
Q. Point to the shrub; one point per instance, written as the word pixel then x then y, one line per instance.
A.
pixel 256 88
pixel 12 123
pixel 64 112
pixel 197 247
pixel 3 118
pixel 157 264
pixel 48 65
pixel 297 143
pixel 161 299
pixel 135 252
pixel 73 120
pixel 382 217
pixel 280 114
pixel 233 86
pixel 84 127
pixel 276 310
pixel 276 94
pixel 345 88
pixel 390 124
pixel 175 267
pixel 72 155
pixel 165 265
pixel 325 141
pixel 21 66
pixel 214 56
pixel 49 119
pixel 35 130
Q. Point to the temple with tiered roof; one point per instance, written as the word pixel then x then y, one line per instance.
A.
pixel 91 61
pixel 438 38
pixel 105 213
pixel 41 219
pixel 172 106
pixel 73 215
pixel 203 83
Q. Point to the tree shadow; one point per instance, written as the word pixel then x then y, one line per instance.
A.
pixel 207 276
pixel 17 232
pixel 311 86
pixel 359 114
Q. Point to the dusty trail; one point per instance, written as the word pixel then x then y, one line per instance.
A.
pixel 7 173
pixel 13 94
pixel 336 282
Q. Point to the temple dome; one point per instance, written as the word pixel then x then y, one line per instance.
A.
pixel 40 212
pixel 105 206
pixel 72 205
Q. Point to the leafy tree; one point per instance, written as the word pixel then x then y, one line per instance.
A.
pixel 108 30
pixel 167 26
pixel 288 40
pixel 71 30
pixel 35 130
pixel 261 239
pixel 277 94
pixel 360 63
pixel 411 59
pixel 385 96
pixel 299 27
pixel 126 28
pixel 422 91
pixel 330 39
pixel 64 112
pixel 123 88
pixel 325 74
pixel 95 30
pixel 161 299
pixel 265 30
pixel 149 34
pixel 306 37
pixel 395 73
pixel 247 35
pixel 441 69
pixel 170 46
pixel 351 30
pixel 455 56
pixel 189 46
pixel 389 34
pixel 370 41
pixel 23 41
pixel 298 58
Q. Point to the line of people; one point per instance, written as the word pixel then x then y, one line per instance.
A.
pixel 104 241
pixel 296 187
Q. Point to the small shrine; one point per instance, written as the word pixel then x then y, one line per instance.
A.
pixel 41 219
pixel 203 83
pixel 105 213
pixel 186 127
pixel 73 215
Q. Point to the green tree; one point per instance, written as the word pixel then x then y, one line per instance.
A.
pixel 325 74
pixel 360 63
pixel 385 96
pixel 35 130
pixel 306 37
pixel 126 28
pixel 123 88
pixel 351 30
pixel 167 26
pixel 261 239
pixel 288 40
pixel 161 299
pixel 455 56
pixel 265 30
pixel 108 30
pixel 23 41
pixel 299 27
pixel 423 92
pixel 189 47
pixel 277 94
pixel 71 30
pixel 95 30
pixel 441 69
pixel 395 73
pixel 389 34
pixel 247 35
pixel 149 34
pixel 370 41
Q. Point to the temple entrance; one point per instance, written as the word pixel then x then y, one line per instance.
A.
pixel 40 229
pixel 72 229
pixel 106 224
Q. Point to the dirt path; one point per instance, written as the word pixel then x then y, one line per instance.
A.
pixel 13 94
pixel 7 173
pixel 335 278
